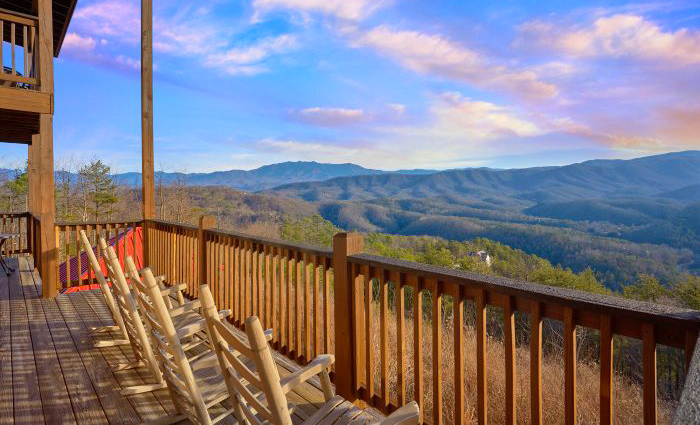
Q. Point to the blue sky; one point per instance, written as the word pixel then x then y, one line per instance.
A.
pixel 383 83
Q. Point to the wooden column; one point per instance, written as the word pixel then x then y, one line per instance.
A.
pixel 147 164
pixel 347 299
pixel 46 208
pixel 33 163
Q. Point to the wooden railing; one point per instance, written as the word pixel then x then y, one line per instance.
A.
pixel 395 326
pixel 652 324
pixel 287 286
pixel 19 69
pixel 20 224
pixel 73 265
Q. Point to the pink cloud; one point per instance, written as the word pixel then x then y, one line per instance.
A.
pixel 620 36
pixel 436 55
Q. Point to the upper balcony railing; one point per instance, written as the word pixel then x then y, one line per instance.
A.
pixel 19 52
pixel 401 330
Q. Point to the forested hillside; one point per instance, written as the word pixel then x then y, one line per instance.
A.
pixel 618 237
pixel 620 217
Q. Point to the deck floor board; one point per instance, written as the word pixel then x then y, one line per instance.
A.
pixel 50 371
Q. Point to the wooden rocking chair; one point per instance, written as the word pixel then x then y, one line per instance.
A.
pixel 108 299
pixel 260 396
pixel 194 387
pixel 137 336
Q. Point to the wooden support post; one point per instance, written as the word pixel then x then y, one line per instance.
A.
pixel 147 162
pixel 45 199
pixel 205 222
pixel 348 350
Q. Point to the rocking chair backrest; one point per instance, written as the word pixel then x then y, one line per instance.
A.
pixel 104 287
pixel 138 337
pixel 175 366
pixel 232 353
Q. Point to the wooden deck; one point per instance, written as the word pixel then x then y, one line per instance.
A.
pixel 51 373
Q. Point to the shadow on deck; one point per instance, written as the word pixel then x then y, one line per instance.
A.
pixel 50 371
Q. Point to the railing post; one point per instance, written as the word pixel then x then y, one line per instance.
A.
pixel 205 222
pixel 346 319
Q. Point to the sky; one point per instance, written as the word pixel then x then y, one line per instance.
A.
pixel 389 84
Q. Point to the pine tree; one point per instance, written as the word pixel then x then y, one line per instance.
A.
pixel 100 190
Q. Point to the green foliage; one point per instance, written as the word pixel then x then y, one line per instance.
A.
pixel 647 288
pixel 99 188
pixel 687 291
pixel 313 230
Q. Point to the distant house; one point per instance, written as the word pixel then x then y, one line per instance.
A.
pixel 483 256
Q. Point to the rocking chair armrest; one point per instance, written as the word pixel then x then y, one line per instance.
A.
pixel 188 306
pixel 318 365
pixel 408 414
pixel 173 289
pixel 198 326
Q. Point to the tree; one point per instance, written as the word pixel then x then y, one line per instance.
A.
pixel 99 191
pixel 647 288
pixel 688 291
pixel 17 189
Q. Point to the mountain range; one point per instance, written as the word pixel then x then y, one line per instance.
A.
pixel 674 176
pixel 266 177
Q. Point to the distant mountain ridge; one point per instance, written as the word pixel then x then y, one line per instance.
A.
pixel 265 177
pixel 666 175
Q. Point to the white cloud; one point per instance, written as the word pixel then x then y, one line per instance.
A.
pixel 75 42
pixel 458 118
pixel 243 60
pixel 353 10
pixel 620 36
pixel 331 117
pixel 437 55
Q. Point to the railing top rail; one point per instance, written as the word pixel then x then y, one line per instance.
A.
pixel 172 223
pixel 15 214
pixel 98 223
pixel 599 303
pixel 311 249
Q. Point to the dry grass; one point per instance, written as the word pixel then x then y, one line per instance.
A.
pixel 627 395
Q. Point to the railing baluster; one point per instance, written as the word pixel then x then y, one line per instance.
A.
pixel 606 369
pixel 307 288
pixel 66 238
pixel 536 363
pixel 299 296
pixel 649 372
pixel 237 283
pixel 369 336
pixel 283 300
pixel 481 371
pixel 509 342
pixel 268 286
pixel 383 278
pixel 458 307
pixel 316 286
pixel 261 284
pixel 327 308
pixel 569 366
pixel 290 302
pixel 418 394
pixel 400 337
pixel 437 350
pixel 12 47
pixel 275 297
